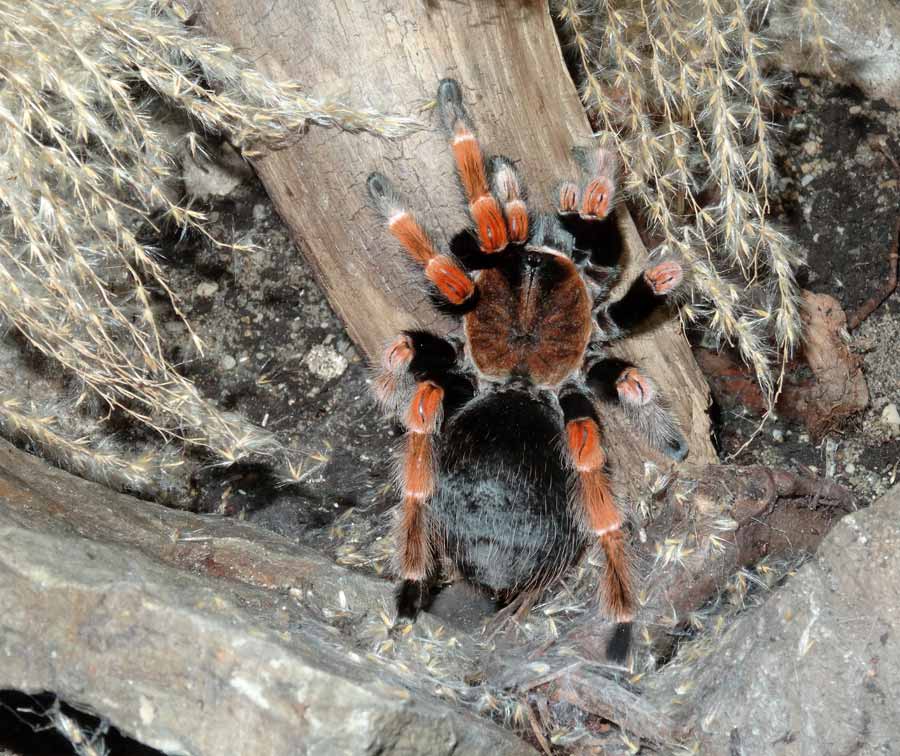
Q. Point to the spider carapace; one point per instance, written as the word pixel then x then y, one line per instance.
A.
pixel 503 473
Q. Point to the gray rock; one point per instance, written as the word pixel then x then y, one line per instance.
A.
pixel 123 607
pixel 865 37
pixel 814 670
pixel 217 174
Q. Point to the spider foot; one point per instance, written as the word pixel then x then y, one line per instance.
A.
pixel 676 445
pixel 411 597
pixel 450 103
pixel 663 278
pixel 382 193
pixel 634 388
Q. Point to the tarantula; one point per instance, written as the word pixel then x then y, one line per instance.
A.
pixel 503 472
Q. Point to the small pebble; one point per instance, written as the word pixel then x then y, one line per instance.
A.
pixel 890 418
pixel 207 289
pixel 849 468
pixel 778 435
pixel 228 362
pixel 325 362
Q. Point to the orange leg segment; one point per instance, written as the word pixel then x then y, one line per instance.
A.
pixel 634 388
pixel 664 277
pixel 423 419
pixel 568 197
pixel 593 200
pixel 483 207
pixel 600 168
pixel 451 280
pixel 412 236
pixel 453 283
pixel 595 203
pixel 443 271
pixel 601 516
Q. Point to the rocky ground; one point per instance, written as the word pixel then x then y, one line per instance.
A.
pixel 278 353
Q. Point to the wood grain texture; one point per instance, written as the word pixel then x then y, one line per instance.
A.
pixel 390 54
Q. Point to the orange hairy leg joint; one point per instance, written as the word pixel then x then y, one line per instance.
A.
pixel 596 199
pixel 584 441
pixel 485 211
pixel 449 279
pixel 664 277
pixel 424 414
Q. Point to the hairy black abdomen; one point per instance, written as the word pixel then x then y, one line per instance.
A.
pixel 501 504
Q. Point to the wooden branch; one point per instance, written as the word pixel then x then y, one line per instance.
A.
pixel 888 287
pixel 391 55
pixel 587 689
pixel 607 699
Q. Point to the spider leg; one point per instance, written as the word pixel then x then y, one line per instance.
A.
pixel 507 186
pixel 416 558
pixel 615 380
pixel 415 356
pixel 411 356
pixel 549 234
pixel 483 206
pixel 451 282
pixel 600 169
pixel 420 382
pixel 599 515
pixel 647 293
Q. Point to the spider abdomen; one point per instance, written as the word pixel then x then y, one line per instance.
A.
pixel 501 507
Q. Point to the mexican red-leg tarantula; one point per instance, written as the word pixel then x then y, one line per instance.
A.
pixel 503 473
